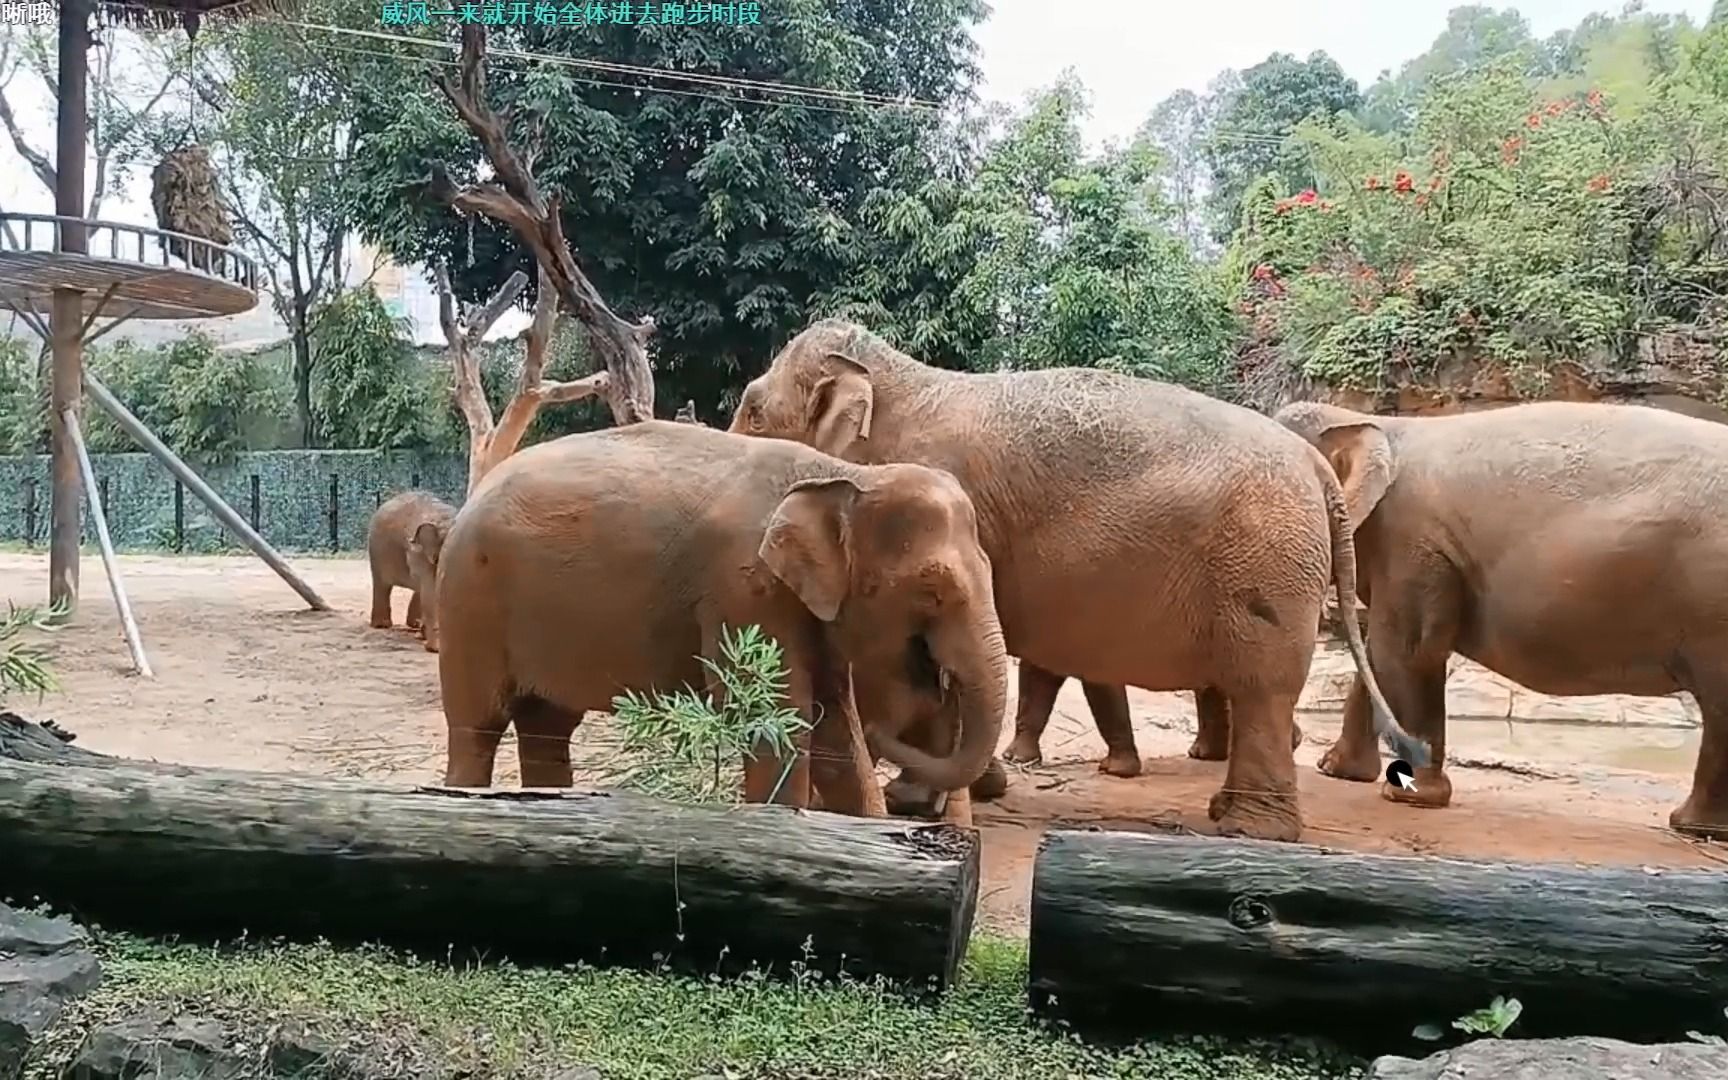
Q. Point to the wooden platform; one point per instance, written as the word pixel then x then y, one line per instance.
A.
pixel 149 279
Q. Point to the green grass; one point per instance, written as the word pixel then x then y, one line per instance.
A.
pixel 500 1021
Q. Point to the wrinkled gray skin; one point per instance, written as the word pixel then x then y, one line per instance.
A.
pixel 1574 548
pixel 402 546
pixel 1142 534
pixel 605 562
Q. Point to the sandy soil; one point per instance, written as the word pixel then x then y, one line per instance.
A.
pixel 247 677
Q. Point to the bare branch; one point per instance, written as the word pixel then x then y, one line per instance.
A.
pixel 38 162
pixel 556 393
pixel 517 202
pixel 539 334
pixel 482 321
pixel 446 306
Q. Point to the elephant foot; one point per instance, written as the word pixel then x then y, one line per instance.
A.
pixel 1023 750
pixel 1258 817
pixel 1694 818
pixel 379 622
pixel 993 784
pixel 905 798
pixel 412 624
pixel 1123 763
pixel 1433 790
pixel 1346 762
pixel 1205 749
pixel 429 645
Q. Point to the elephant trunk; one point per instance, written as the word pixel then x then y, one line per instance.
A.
pixel 970 650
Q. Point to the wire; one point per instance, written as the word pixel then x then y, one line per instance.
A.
pixel 853 97
pixel 435 62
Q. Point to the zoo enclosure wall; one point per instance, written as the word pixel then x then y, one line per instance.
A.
pixel 298 500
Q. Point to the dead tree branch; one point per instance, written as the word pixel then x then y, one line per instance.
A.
pixel 516 201
pixel 491 442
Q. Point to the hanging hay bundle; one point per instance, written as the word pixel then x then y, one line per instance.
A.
pixel 184 192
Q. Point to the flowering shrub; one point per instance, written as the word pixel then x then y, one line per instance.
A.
pixel 1515 223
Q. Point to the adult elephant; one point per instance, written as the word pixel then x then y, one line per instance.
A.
pixel 600 563
pixel 1573 548
pixel 1142 534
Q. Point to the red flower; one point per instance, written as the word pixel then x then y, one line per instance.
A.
pixel 1308 197
pixel 1403 182
pixel 1374 183
pixel 1555 108
pixel 1325 204
pixel 1594 97
pixel 1422 200
pixel 1282 206
pixel 1263 272
pixel 1509 149
pixel 1598 182
pixel 1533 121
pixel 1434 183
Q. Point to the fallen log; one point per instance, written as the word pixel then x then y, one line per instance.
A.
pixel 1135 933
pixel 539 877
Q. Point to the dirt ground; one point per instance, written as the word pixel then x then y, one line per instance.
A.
pixel 247 677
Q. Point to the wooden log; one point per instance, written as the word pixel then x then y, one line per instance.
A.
pixel 537 876
pixel 1135 933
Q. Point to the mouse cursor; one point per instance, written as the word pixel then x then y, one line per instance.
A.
pixel 1400 773
pixel 1405 782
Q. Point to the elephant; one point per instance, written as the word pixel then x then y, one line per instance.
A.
pixel 1572 547
pixel 402 546
pixel 604 562
pixel 1141 533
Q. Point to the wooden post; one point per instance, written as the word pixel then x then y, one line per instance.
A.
pixel 224 513
pixel 1133 933
pixel 66 315
pixel 110 563
pixel 535 876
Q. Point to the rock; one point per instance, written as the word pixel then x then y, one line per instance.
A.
pixel 153 1048
pixel 1559 1059
pixel 43 964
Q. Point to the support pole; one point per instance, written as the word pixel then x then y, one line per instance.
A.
pixel 67 309
pixel 224 513
pixel 109 562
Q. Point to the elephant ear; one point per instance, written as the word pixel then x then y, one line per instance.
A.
pixel 840 406
pixel 808 543
pixel 1361 455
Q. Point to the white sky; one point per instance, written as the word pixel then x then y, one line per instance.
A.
pixel 1130 54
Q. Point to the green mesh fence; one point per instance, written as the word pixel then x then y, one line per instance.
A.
pixel 298 500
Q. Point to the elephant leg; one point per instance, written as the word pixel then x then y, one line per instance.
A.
pixel 380 603
pixel 476 721
pixel 543 732
pixel 412 621
pixel 1115 725
pixel 1212 715
pixel 1258 798
pixel 1356 754
pixel 1037 699
pixel 842 775
pixel 1705 811
pixel 1418 696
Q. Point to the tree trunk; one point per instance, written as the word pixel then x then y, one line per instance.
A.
pixel 303 384
pixel 540 877
pixel 1137 932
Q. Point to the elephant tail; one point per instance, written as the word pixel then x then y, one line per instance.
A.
pixel 1400 742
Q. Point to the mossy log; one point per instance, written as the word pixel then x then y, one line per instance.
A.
pixel 539 877
pixel 1137 933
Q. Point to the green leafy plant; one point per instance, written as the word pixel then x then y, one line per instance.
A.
pixel 24 666
pixel 689 747
pixel 1500 1015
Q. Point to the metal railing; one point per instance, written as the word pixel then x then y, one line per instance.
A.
pixel 104 240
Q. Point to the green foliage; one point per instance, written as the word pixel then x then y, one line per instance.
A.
pixel 688 746
pixel 23 398
pixel 1525 219
pixel 423 1017
pixel 1494 1020
pixel 23 666
pixel 369 388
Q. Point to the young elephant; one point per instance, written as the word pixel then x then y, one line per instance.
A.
pixel 402 545
pixel 1142 534
pixel 1573 548
pixel 598 563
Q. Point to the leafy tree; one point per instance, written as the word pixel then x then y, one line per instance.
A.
pixel 1474 36
pixel 370 389
pixel 1178 128
pixel 1255 118
pixel 720 211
